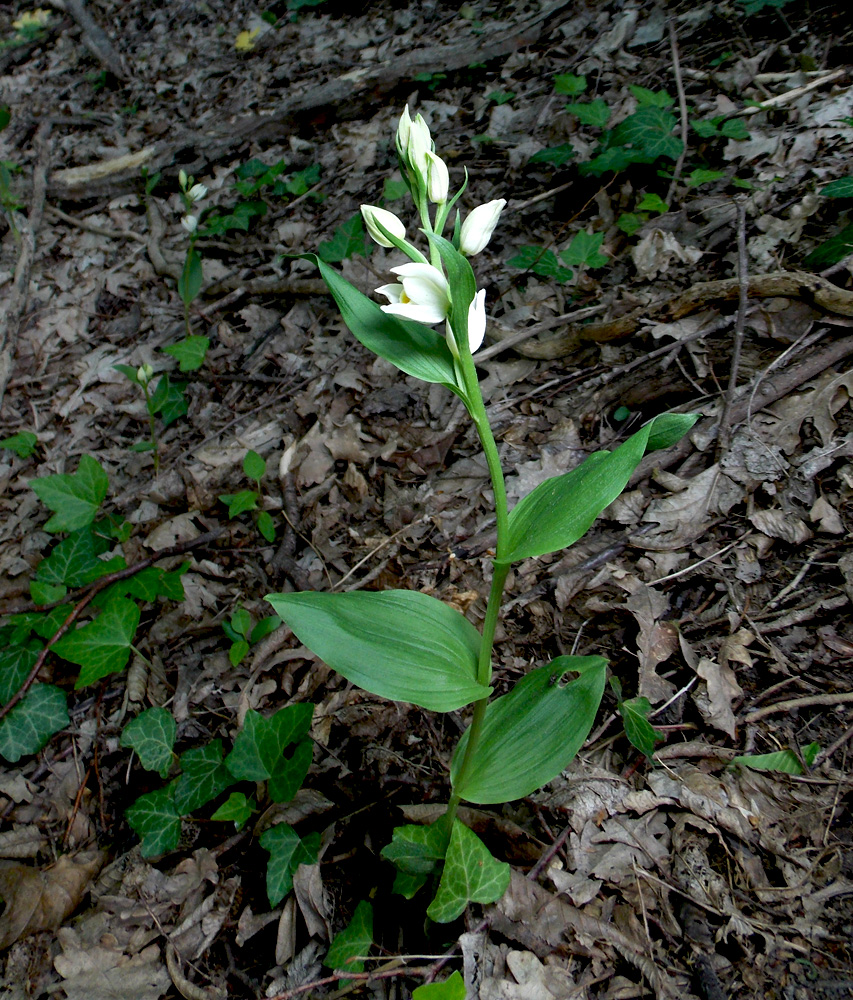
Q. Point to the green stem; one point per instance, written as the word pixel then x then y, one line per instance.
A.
pixel 500 570
pixel 152 430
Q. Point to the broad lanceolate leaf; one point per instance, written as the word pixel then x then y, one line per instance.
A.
pixel 399 644
pixel 74 497
pixel 152 735
pixel 842 188
pixel 154 818
pixel 103 646
pixel 31 723
pixel 453 988
pixel 287 852
pixel 355 939
pixel 532 734
pixel 259 747
pixel 560 510
pixel 413 348
pixel 189 283
pixel 784 761
pixel 470 874
pixel 203 777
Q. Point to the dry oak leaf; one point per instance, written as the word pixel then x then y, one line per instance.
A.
pixel 42 900
pixel 105 973
pixel 721 692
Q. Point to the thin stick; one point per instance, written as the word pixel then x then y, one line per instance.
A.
pixel 743 291
pixel 682 105
pixel 843 698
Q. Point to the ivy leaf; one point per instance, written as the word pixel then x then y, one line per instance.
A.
pixel 168 400
pixel 154 818
pixel 470 874
pixel 16 662
pixel 74 497
pixel 355 939
pixel 75 560
pixel 701 175
pixel 569 84
pixel 150 583
pixel 349 240
pixel 152 735
pixel 204 776
pixel 287 852
pixel 289 773
pixel 30 724
pixel 23 444
pixel 557 155
pixel 835 249
pixel 453 988
pixel 261 742
pixel 584 251
pixel 649 131
pixel 190 352
pixel 235 809
pixel 540 261
pixel 102 646
pixel 416 852
pixel 595 113
pixel 651 98
pixel 652 203
pixel 734 128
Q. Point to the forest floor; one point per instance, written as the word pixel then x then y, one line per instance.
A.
pixel 678 238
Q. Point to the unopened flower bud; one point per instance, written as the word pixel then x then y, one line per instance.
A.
pixel 373 215
pixel 182 179
pixel 190 223
pixel 478 227
pixel 439 180
pixel 144 374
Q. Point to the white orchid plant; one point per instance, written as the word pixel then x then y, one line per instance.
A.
pixel 410 647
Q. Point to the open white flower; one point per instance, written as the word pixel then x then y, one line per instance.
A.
pixel 479 225
pixel 421 294
pixel 190 223
pixel 476 324
pixel 197 192
pixel 371 215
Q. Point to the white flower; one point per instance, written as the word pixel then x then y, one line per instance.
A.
pixel 190 223
pixel 371 215
pixel 197 192
pixel 417 147
pixel 476 324
pixel 421 294
pixel 182 179
pixel 404 128
pixel 439 179
pixel 478 227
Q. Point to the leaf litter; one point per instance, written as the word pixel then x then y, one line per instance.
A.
pixel 712 587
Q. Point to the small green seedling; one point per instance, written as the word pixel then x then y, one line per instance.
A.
pixel 243 632
pixel 255 467
pixel 167 399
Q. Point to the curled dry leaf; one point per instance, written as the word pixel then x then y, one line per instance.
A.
pixel 779 524
pixel 42 900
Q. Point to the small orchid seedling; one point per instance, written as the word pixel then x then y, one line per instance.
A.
pixel 189 283
pixel 410 647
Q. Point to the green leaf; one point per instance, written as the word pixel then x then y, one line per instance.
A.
pixel 265 627
pixel 287 852
pixel 584 251
pixel 751 7
pixel 784 761
pixel 412 347
pixel 289 773
pixel 154 818
pixel 533 733
pixel 399 644
pixel 190 352
pixel 102 646
pixel 630 222
pixel 540 261
pixel 615 158
pixel 254 465
pixel 835 249
pixel 168 400
pixel 652 203
pixel 238 651
pixel 239 503
pixel 189 283
pixel 706 128
pixel 453 988
pixel 734 128
pixel 75 560
pixel 635 715
pixel 393 190
pixel 348 240
pixel 557 155
pixel 16 662
pixel 239 218
pixel 259 746
pixel 842 188
pixel 152 735
pixel 408 885
pixel 569 84
pixel 23 444
pixel 355 939
pixel 702 176
pixel 560 510
pixel 418 850
pixel 5 116
pixel 651 98
pixel 595 113
pixel 242 622
pixel 74 497
pixel 30 724
pixel 470 874
pixel 236 809
pixel 266 525
pixel 204 775
pixel 150 583
pixel 46 593
pixel 649 130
